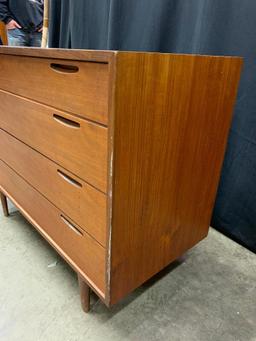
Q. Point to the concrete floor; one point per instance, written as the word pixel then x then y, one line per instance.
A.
pixel 210 294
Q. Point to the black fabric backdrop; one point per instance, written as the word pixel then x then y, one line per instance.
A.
pixel 184 26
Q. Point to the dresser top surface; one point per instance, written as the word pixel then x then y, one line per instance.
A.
pixel 83 55
pixel 103 56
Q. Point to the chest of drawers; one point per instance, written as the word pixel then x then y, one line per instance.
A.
pixel 114 157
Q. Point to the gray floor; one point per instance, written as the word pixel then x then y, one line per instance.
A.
pixel 210 294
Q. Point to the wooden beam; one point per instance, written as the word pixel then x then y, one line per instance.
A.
pixel 3 33
pixel 45 25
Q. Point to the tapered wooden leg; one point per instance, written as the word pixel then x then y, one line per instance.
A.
pixel 84 294
pixel 4 204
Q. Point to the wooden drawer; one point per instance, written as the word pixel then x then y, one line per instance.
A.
pixel 76 144
pixel 77 247
pixel 76 87
pixel 81 202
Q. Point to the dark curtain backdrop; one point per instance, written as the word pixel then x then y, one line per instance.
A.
pixel 221 27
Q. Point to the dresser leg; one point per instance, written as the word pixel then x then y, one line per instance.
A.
pixel 4 204
pixel 84 294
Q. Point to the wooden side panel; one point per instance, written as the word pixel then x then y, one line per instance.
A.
pixel 172 117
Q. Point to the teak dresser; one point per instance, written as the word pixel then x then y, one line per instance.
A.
pixel 114 157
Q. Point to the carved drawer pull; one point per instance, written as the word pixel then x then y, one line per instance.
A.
pixel 67 122
pixel 71 226
pixel 69 179
pixel 64 68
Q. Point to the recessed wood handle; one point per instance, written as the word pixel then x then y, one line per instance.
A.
pixel 64 68
pixel 67 122
pixel 71 226
pixel 69 179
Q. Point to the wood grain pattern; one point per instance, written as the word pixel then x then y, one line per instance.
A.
pixel 82 151
pixel 172 116
pixel 50 81
pixel 79 249
pixel 82 203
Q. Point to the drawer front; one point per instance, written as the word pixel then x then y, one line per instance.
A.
pixel 82 203
pixel 76 246
pixel 76 144
pixel 76 87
